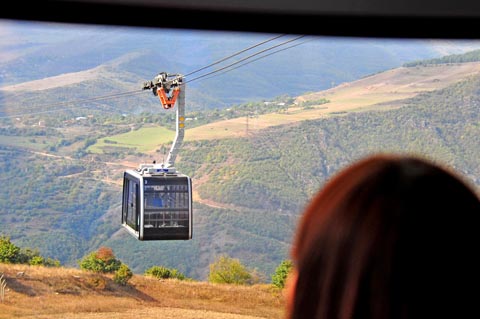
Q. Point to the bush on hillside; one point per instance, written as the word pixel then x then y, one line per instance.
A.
pixel 161 272
pixel 122 275
pixel 8 251
pixel 12 254
pixel 42 261
pixel 281 273
pixel 103 260
pixel 226 270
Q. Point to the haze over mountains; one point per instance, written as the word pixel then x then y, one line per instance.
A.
pixel 129 56
pixel 62 198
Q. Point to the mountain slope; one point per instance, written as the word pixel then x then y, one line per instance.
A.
pixel 36 51
pixel 250 190
pixel 261 183
pixel 382 91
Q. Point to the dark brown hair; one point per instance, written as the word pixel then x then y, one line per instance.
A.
pixel 388 237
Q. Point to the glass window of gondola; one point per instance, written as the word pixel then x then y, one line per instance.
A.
pixel 167 206
pixel 130 212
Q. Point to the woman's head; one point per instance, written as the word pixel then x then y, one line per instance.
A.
pixel 370 244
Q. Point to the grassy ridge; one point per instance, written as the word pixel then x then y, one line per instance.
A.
pixel 56 293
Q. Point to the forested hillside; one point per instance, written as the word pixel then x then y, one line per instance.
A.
pixel 52 204
pixel 282 166
pixel 471 56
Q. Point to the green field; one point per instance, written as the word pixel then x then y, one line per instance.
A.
pixel 143 140
pixel 37 143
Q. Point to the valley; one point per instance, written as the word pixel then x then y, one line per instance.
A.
pixel 254 162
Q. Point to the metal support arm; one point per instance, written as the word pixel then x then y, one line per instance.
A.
pixel 180 128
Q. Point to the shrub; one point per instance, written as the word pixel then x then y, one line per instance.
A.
pixel 122 275
pixel 228 270
pixel 281 273
pixel 49 262
pixel 92 263
pixel 161 272
pixel 8 251
pixel 26 256
pixel 41 261
pixel 36 260
pixel 174 273
pixel 103 260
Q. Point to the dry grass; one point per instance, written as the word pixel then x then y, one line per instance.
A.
pixel 37 292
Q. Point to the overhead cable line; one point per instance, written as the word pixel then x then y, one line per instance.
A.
pixel 259 58
pixel 244 59
pixel 139 91
pixel 234 55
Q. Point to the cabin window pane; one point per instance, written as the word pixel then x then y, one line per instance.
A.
pixel 166 203
pixel 132 214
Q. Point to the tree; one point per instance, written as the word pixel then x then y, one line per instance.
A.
pixel 281 273
pixel 103 260
pixel 228 270
pixel 8 251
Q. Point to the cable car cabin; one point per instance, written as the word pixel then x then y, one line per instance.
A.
pixel 157 203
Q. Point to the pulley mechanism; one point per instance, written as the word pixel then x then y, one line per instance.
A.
pixel 166 87
pixel 170 88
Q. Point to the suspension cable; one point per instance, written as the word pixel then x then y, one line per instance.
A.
pixel 259 58
pixel 244 59
pixel 234 55
pixel 134 92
